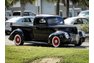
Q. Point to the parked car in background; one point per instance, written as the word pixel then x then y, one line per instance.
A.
pixel 76 20
pixel 10 14
pixel 81 22
pixel 18 21
pixel 25 13
pixel 49 29
pixel 84 13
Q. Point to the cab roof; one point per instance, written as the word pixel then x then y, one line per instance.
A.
pixel 46 15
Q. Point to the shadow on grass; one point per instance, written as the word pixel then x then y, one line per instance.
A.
pixel 43 44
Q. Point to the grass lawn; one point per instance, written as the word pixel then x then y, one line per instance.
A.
pixel 27 54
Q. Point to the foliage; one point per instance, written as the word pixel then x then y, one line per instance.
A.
pixel 85 28
pixel 9 3
pixel 84 3
pixel 27 54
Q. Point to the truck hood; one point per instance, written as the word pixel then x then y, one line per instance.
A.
pixel 66 28
pixel 60 26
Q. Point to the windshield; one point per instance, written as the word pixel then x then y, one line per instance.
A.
pixel 55 21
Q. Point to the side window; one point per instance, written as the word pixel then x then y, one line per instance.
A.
pixel 20 20
pixel 85 21
pixel 26 13
pixel 16 13
pixel 26 20
pixel 78 21
pixel 31 19
pixel 39 21
pixel 42 21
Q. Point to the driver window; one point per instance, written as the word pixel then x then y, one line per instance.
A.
pixel 85 21
pixel 78 21
pixel 40 22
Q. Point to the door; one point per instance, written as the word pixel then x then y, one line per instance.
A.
pixel 40 30
pixel 24 22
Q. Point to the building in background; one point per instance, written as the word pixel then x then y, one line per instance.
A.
pixel 43 7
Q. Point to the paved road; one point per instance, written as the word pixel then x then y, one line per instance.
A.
pixel 30 43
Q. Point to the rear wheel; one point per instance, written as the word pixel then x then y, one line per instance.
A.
pixel 56 41
pixel 18 39
pixel 7 32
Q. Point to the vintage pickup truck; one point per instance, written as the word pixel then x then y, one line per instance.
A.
pixel 48 28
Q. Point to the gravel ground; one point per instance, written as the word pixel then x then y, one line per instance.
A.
pixel 8 42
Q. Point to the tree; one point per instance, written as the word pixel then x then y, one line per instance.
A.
pixel 66 3
pixel 57 7
pixel 67 6
pixel 80 3
pixel 74 2
pixel 23 2
pixel 9 3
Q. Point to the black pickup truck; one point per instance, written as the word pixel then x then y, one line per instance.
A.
pixel 50 29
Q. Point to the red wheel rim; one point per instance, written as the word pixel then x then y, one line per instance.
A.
pixel 56 41
pixel 17 39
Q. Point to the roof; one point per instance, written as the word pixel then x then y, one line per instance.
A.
pixel 46 15
pixel 14 19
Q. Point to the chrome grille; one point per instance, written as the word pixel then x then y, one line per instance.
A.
pixel 73 37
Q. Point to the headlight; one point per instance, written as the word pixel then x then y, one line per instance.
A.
pixel 66 35
pixel 83 33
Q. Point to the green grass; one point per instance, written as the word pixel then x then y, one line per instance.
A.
pixel 27 54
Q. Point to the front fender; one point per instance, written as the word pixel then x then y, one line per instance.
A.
pixel 16 31
pixel 82 35
pixel 60 34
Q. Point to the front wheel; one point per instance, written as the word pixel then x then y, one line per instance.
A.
pixel 18 39
pixel 55 41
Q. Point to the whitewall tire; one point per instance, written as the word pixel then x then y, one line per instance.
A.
pixel 18 40
pixel 56 41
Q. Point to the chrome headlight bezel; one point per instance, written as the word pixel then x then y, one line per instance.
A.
pixel 66 35
pixel 83 33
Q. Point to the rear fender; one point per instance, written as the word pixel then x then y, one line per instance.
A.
pixel 16 31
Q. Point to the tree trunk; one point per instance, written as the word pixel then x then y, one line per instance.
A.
pixel 57 7
pixel 67 6
pixel 22 7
